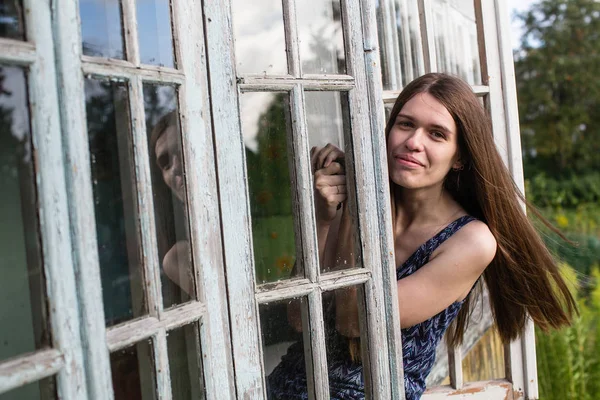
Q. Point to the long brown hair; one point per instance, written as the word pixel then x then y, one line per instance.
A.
pixel 523 278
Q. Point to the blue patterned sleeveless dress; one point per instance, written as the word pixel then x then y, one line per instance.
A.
pixel 419 342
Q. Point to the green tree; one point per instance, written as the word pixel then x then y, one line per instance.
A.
pixel 557 72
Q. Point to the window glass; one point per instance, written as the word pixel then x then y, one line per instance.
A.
pixel 168 193
pixel 320 36
pixel 42 390
pixel 283 346
pixel 343 340
pixel 265 125
pixel 327 120
pixel 11 19
pixel 133 372
pixel 259 37
pixel 115 202
pixel 101 29
pixel 185 363
pixel 23 320
pixel 154 32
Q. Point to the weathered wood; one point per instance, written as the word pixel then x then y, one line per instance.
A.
pixel 405 38
pixel 230 158
pixel 52 201
pixel 455 364
pixel 203 204
pixel 29 368
pixel 130 32
pixel 389 44
pixel 292 45
pixel 269 84
pixel 486 390
pixel 17 52
pixel 161 365
pixel 121 69
pixel 67 39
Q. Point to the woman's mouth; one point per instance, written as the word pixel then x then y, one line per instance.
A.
pixel 408 161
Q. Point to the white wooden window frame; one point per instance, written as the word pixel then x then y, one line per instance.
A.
pixel 66 205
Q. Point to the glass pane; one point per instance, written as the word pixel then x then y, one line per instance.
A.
pixel 133 372
pixel 265 123
pixel 115 203
pixel 169 195
pixel 185 363
pixel 23 320
pixel 101 29
pixel 327 119
pixel 154 32
pixel 342 335
pixel 42 390
pixel 456 39
pixel 321 36
pixel 259 37
pixel 283 348
pixel 11 19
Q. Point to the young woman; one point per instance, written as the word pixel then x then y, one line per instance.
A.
pixel 457 215
pixel 166 165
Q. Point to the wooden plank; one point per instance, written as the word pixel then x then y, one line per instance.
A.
pixel 29 368
pixel 17 52
pixel 126 70
pixel 291 38
pixel 486 390
pixel 52 200
pixel 329 83
pixel 161 365
pixel 203 202
pixel 387 273
pixel 230 158
pixel 128 333
pixel 363 51
pixel 130 32
pixel 427 36
pixel 455 357
pixel 67 40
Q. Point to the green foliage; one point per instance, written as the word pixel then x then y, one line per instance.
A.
pixel 568 360
pixel 546 191
pixel 557 71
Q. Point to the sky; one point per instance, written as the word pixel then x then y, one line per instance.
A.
pixel 519 6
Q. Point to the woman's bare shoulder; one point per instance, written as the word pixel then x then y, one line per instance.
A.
pixel 475 241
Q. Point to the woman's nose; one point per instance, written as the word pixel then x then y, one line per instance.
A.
pixel 415 141
pixel 176 163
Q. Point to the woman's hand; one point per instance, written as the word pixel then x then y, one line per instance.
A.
pixel 329 181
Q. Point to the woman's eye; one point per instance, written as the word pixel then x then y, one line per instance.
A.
pixel 404 124
pixel 438 134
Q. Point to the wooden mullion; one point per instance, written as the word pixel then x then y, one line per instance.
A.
pixel 130 31
pixel 29 368
pixel 427 35
pixel 17 52
pixel 81 204
pixel 203 203
pixel 406 41
pixel 61 289
pixel 161 365
pixel 126 70
pixel 316 354
pixel 234 201
pixel 290 24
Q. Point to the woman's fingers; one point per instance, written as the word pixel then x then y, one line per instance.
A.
pixel 322 157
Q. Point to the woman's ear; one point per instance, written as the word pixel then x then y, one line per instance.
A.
pixel 458 165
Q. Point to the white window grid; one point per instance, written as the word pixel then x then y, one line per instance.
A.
pixel 190 78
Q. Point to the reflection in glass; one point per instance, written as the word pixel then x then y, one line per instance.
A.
pixel 101 29
pixel 132 371
pixel 11 19
pixel 283 347
pixel 320 36
pixel 259 37
pixel 343 341
pixel 44 389
pixel 23 319
pixel 115 201
pixel 168 193
pixel 327 119
pixel 185 363
pixel 154 32
pixel 456 39
pixel 265 123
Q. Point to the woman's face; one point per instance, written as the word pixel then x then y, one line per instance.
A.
pixel 169 160
pixel 422 145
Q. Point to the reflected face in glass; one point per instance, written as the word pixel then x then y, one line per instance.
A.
pixel 422 144
pixel 169 161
